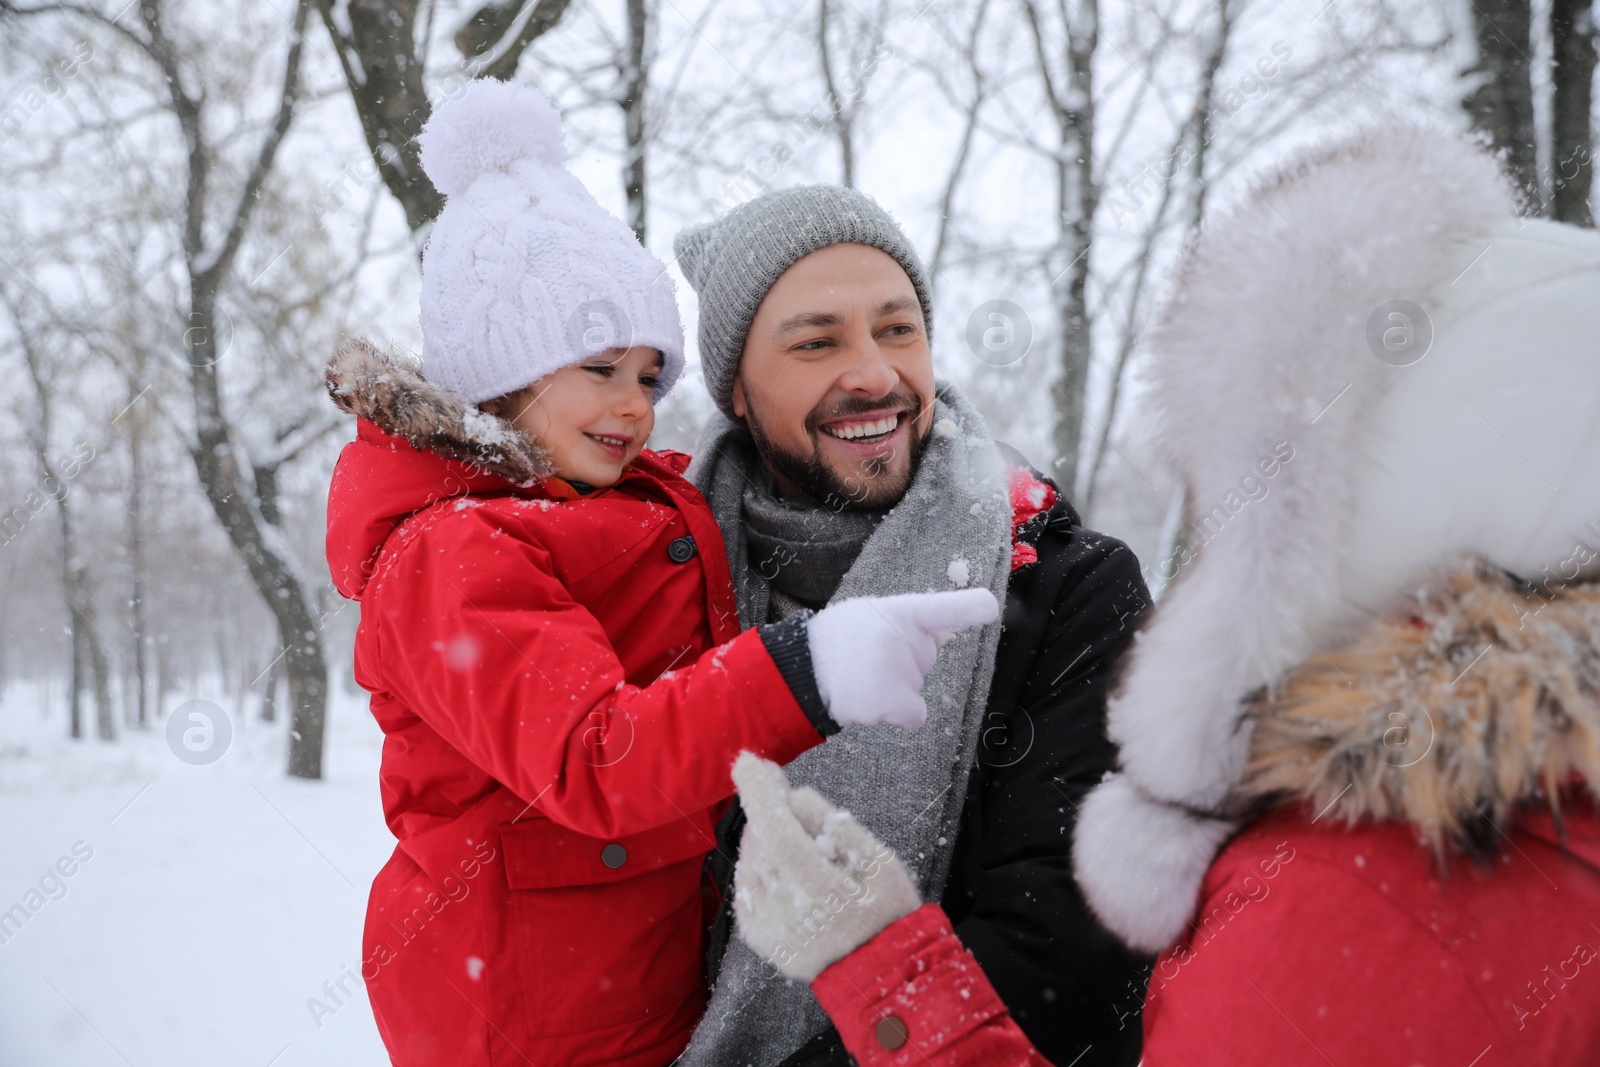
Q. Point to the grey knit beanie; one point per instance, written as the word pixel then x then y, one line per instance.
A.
pixel 733 261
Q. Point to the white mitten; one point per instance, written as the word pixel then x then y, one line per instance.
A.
pixel 871 654
pixel 812 884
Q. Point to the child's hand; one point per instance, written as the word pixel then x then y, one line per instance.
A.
pixel 799 857
pixel 871 654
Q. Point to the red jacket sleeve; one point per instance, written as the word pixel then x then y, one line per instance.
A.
pixel 479 638
pixel 914 996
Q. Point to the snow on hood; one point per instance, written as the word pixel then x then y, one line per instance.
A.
pixel 379 482
pixel 1480 697
pixel 416 444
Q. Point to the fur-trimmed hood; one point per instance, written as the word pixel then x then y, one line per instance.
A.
pixel 416 444
pixel 1482 696
pixel 1372 368
pixel 385 386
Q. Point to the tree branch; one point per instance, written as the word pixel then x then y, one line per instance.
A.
pixel 212 272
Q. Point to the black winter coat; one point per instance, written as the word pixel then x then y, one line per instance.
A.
pixel 1075 990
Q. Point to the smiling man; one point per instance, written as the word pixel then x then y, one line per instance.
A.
pixel 828 424
pixel 839 468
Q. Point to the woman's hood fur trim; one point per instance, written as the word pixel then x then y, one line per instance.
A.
pixel 1292 391
pixel 1484 698
pixel 1475 698
pixel 386 387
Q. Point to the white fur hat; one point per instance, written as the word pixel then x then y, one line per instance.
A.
pixel 1330 470
pixel 524 273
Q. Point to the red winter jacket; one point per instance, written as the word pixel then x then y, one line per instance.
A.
pixel 558 739
pixel 1328 931
pixel 1314 945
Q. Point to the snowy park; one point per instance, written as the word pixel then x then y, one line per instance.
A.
pixel 841 534
pixel 208 907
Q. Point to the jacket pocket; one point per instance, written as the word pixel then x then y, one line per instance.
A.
pixel 606 932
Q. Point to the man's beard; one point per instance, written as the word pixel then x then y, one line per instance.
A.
pixel 872 486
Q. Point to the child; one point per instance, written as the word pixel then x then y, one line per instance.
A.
pixel 548 629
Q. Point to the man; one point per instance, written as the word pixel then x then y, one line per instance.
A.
pixel 1392 738
pixel 838 468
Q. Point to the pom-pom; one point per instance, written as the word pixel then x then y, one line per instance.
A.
pixel 489 126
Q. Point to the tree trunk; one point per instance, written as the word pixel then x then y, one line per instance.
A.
pixel 377 48
pixel 1200 120
pixel 94 646
pixel 839 114
pixel 1198 129
pixel 1571 106
pixel 266 480
pixel 1171 542
pixel 260 544
pixel 969 130
pixel 384 73
pixel 1077 198
pixel 84 651
pixel 1072 323
pixel 269 695
pixel 1500 98
pixel 138 611
pixel 79 664
pixel 635 81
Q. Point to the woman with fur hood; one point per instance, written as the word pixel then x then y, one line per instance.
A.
pixel 1375 686
pixel 548 629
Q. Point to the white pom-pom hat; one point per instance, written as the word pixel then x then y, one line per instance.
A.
pixel 524 273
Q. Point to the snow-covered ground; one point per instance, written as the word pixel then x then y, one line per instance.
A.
pixel 215 901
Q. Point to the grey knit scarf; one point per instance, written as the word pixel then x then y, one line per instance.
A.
pixel 952 528
pixel 802 551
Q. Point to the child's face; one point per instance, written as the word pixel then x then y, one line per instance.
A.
pixel 592 417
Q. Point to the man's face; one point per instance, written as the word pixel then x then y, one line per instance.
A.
pixel 836 381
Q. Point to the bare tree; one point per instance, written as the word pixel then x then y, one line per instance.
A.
pixel 383 69
pixel 634 79
pixel 501 30
pixel 87 647
pixel 137 525
pixel 1200 117
pixel 846 72
pixel 1068 85
pixel 1499 97
pixel 384 62
pixel 969 108
pixel 841 118
pixel 1192 139
pixel 1572 110
pixel 225 471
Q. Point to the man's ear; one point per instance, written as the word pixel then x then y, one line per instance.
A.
pixel 741 405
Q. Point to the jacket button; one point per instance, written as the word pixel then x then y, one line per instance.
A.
pixel 613 856
pixel 891 1032
pixel 681 550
